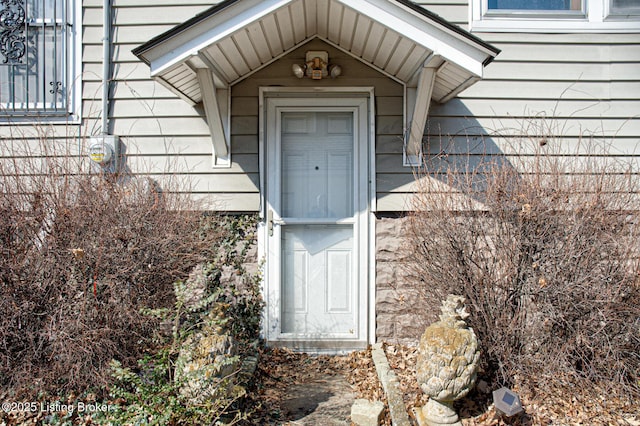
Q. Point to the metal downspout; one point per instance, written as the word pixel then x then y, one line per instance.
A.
pixel 106 64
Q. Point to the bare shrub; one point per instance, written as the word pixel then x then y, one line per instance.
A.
pixel 543 243
pixel 82 256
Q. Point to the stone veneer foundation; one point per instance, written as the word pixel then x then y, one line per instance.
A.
pixel 401 314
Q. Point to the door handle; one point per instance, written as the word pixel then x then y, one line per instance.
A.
pixel 270 222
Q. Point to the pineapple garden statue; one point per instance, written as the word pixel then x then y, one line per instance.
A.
pixel 447 364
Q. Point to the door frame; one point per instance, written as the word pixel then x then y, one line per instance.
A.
pixel 360 100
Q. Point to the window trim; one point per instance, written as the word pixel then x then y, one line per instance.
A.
pixel 596 17
pixel 73 112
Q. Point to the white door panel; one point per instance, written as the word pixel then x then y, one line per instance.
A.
pixel 317 213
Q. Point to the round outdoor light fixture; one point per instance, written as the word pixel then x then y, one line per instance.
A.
pixel 316 66
pixel 298 70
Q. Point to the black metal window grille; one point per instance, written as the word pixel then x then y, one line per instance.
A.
pixel 34 57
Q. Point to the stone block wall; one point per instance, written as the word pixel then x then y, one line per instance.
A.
pixel 401 313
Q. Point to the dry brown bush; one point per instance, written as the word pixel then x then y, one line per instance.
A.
pixel 543 243
pixel 82 255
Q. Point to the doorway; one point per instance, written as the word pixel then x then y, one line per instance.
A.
pixel 316 202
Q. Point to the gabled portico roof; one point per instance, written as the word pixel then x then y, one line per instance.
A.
pixel 233 39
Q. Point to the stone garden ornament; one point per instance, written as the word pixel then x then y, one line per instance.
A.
pixel 447 364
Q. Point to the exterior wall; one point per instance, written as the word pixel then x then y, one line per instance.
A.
pixel 399 311
pixel 163 135
pixel 388 106
pixel 589 83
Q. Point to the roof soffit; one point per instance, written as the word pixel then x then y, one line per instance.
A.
pixel 237 37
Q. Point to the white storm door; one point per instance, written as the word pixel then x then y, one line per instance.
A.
pixel 317 272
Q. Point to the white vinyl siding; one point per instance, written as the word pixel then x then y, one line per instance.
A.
pixel 589 82
pixel 165 137
pixel 594 76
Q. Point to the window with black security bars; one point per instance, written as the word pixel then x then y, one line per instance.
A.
pixel 34 57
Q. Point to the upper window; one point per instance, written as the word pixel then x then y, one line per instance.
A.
pixel 555 15
pixel 535 5
pixel 36 57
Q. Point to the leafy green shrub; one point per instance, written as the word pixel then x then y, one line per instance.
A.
pixel 211 306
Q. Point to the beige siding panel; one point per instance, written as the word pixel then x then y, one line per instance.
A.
pixel 560 53
pixel 44 132
pixel 590 82
pixel 389 125
pixel 127 71
pixel 395 182
pixel 187 145
pixel 147 126
pixel 565 39
pixel 454 13
pixel 230 202
pixel 389 105
pixel 192 164
pixel 553 71
pixel 508 126
pixel 210 184
pixel 150 13
pixel 526 108
pixel 172 146
pixel 393 202
pixel 389 144
pixel 121 53
pixel 146 89
pixel 495 145
pixel 384 86
pixel 164 3
pixel 390 163
pixel 553 90
pixel 244 144
pixel 138 108
pixel 244 105
pixel 143 3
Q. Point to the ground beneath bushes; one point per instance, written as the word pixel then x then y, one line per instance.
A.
pixel 299 389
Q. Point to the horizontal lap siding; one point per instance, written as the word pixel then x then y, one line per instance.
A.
pixel 165 137
pixel 589 83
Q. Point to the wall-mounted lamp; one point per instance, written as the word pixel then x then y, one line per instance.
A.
pixel 316 66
